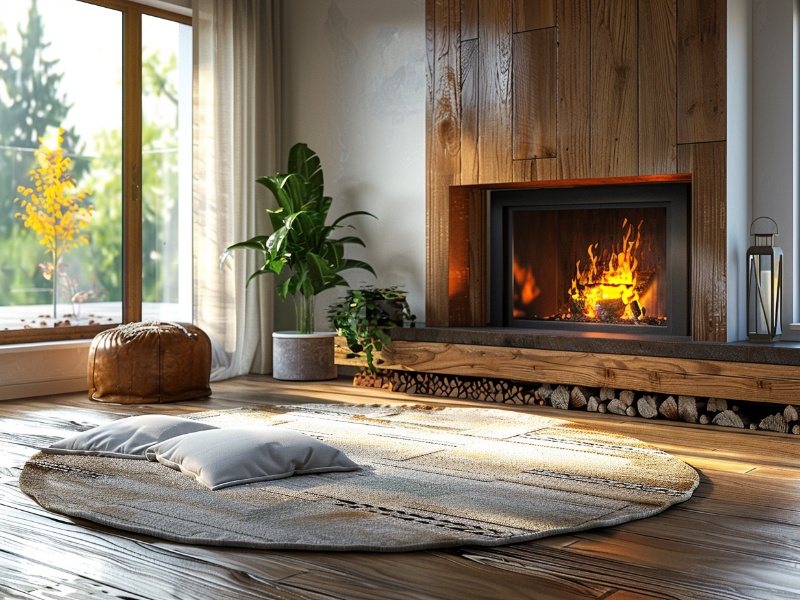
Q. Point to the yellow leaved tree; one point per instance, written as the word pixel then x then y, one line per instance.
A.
pixel 53 209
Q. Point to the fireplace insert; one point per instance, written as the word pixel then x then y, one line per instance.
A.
pixel 605 258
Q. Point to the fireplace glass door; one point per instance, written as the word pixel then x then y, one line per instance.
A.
pixel 612 258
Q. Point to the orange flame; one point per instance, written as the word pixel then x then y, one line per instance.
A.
pixel 525 282
pixel 612 283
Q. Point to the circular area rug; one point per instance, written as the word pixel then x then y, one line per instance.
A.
pixel 429 478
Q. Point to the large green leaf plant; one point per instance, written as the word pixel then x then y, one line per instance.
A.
pixel 301 240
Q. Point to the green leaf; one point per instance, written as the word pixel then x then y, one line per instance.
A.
pixel 357 264
pixel 283 289
pixel 352 214
pixel 351 239
pixel 258 242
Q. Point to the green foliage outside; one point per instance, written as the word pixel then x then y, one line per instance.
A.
pixel 30 105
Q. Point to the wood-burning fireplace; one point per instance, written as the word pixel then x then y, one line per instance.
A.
pixel 605 258
pixel 465 240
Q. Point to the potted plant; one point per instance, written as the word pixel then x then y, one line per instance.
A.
pixel 301 241
pixel 364 318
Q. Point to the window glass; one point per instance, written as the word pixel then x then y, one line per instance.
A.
pixel 166 170
pixel 60 164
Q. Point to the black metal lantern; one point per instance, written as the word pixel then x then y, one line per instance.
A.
pixel 764 283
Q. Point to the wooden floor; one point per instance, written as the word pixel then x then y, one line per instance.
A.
pixel 738 537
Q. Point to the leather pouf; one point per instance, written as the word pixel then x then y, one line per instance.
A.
pixel 149 362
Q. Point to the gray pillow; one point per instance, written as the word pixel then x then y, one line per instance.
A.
pixel 233 456
pixel 126 438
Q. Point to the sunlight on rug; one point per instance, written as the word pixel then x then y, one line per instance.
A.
pixel 430 478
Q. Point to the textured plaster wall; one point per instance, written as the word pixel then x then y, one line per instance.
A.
pixel 353 88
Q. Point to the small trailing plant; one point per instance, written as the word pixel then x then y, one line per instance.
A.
pixel 53 209
pixel 365 316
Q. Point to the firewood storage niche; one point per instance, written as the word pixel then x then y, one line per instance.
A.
pixel 603 258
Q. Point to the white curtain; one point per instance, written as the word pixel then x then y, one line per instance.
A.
pixel 235 140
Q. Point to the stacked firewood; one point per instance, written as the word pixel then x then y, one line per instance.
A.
pixel 629 403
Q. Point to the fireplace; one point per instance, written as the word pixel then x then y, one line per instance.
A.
pixel 603 258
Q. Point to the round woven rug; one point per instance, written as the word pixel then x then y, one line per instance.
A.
pixel 430 478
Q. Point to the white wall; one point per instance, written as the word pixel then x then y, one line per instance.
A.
pixel 774 133
pixel 739 156
pixel 43 369
pixel 353 81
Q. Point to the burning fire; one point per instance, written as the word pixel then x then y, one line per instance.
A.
pixel 606 288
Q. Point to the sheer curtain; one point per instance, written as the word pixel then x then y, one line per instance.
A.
pixel 235 140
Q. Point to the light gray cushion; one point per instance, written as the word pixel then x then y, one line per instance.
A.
pixel 238 455
pixel 128 437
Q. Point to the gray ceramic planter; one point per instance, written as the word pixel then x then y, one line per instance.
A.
pixel 303 356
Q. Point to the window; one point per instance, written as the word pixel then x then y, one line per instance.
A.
pixel 96 93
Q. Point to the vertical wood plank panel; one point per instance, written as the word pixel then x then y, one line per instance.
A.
pixel 535 94
pixel 445 149
pixel 478 259
pixel 469 19
pixel 495 102
pixel 534 14
pixel 657 87
pixel 470 78
pixel 614 88
pixel 523 170
pixel 544 169
pixel 467 268
pixel 538 169
pixel 707 164
pixel 573 118
pixel 702 73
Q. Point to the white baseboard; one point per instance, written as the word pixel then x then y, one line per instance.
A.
pixel 28 370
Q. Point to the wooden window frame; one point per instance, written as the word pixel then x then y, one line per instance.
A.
pixel 132 14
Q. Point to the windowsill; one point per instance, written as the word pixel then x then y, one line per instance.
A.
pixel 44 346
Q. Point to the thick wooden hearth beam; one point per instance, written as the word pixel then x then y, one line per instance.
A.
pixel 755 382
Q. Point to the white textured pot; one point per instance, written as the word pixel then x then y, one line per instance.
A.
pixel 303 356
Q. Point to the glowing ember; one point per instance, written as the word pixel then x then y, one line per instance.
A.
pixel 606 288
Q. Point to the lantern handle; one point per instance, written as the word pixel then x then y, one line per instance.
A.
pixel 758 219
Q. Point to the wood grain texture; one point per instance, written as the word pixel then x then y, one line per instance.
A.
pixel 707 164
pixel 538 169
pixel 534 14
pixel 470 127
pixel 445 147
pixel 467 266
pixel 535 94
pixel 734 539
pixel 657 87
pixel 614 88
pixel 469 19
pixel 736 381
pixel 574 72
pixel 495 102
pixel 702 74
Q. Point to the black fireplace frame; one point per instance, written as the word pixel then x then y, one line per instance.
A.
pixel 675 197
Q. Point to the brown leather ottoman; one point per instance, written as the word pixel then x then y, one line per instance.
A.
pixel 149 362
